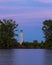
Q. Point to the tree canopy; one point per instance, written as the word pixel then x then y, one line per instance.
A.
pixel 47 30
pixel 7 32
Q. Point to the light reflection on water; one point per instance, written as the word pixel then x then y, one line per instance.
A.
pixel 25 57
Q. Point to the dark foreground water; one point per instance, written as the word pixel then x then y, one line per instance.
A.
pixel 25 57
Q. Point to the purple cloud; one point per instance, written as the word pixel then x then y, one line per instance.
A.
pixel 30 15
pixel 11 0
pixel 45 1
pixel 11 8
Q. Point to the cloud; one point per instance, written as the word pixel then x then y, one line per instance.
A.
pixel 28 18
pixel 29 15
pixel 11 0
pixel 45 1
pixel 15 7
pixel 11 8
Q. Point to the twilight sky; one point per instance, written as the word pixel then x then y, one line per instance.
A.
pixel 29 14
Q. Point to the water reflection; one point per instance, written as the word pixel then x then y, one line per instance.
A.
pixel 48 57
pixel 29 57
pixel 6 57
pixel 25 57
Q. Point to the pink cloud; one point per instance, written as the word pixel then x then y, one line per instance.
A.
pixel 45 1
pixel 11 8
pixel 11 0
pixel 14 8
pixel 23 17
pixel 30 15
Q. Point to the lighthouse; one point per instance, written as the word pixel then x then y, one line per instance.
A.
pixel 21 36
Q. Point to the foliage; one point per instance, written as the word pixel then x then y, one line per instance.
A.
pixel 7 32
pixel 47 30
pixel 42 45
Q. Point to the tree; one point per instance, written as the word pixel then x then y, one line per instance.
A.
pixel 42 45
pixel 47 30
pixel 7 32
pixel 35 44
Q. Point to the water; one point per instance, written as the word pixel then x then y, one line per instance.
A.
pixel 25 57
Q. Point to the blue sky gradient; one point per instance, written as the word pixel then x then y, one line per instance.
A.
pixel 29 14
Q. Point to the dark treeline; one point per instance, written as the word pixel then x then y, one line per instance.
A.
pixel 7 36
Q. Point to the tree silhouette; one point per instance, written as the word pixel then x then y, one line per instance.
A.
pixel 7 32
pixel 47 30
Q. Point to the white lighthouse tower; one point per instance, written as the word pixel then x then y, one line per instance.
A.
pixel 21 36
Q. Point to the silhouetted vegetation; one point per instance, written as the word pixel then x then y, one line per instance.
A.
pixel 47 30
pixel 7 36
pixel 7 33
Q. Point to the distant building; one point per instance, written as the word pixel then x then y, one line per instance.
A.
pixel 21 36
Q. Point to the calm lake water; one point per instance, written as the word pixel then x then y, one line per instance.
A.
pixel 25 57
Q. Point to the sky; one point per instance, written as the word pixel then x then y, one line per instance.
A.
pixel 28 14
